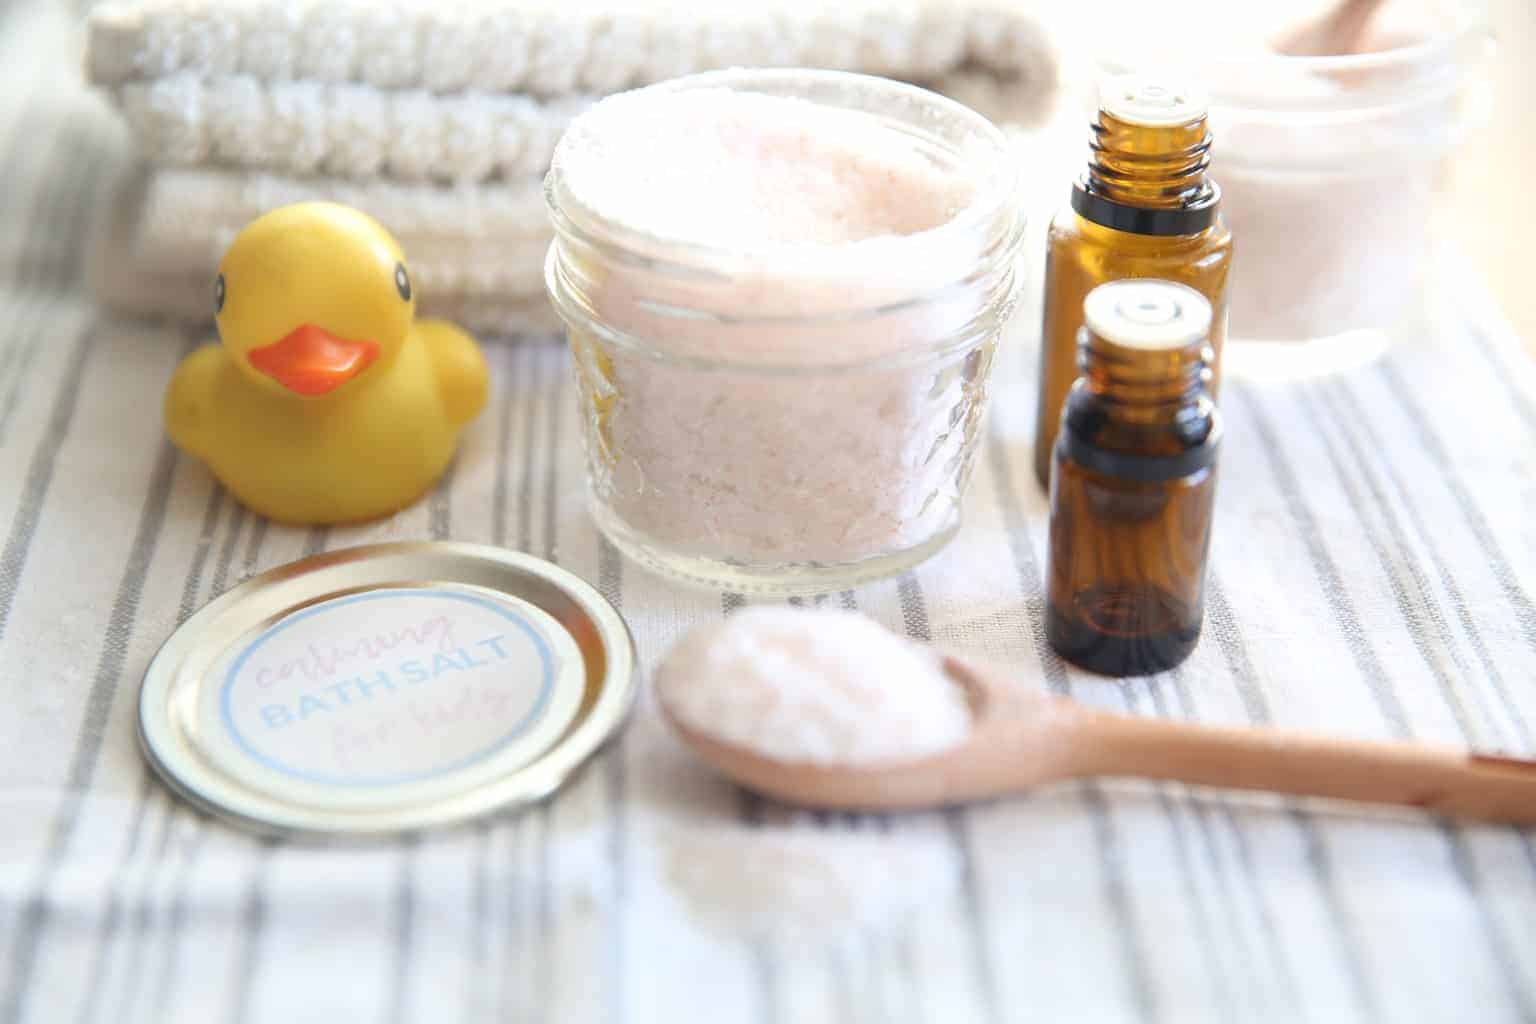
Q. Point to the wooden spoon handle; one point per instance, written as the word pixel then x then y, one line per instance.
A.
pixel 1341 31
pixel 1435 779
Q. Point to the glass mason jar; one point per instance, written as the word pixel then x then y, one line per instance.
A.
pixel 1329 168
pixel 789 418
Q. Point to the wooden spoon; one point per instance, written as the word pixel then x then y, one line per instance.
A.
pixel 1339 32
pixel 1023 738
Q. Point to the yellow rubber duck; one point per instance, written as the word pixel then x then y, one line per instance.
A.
pixel 326 401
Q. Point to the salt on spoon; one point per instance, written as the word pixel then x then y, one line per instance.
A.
pixel 825 687
pixel 828 709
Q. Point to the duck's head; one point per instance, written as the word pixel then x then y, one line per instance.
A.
pixel 310 296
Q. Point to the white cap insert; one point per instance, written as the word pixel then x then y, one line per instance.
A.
pixel 1148 313
pixel 1151 102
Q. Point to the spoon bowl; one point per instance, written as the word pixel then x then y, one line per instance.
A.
pixel 1019 738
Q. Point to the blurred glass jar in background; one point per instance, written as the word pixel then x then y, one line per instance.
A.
pixel 1329 168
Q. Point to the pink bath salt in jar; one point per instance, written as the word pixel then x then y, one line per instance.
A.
pixel 783 290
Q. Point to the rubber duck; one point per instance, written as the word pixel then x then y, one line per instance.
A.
pixel 325 400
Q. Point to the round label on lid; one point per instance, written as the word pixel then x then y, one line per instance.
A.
pixel 375 691
pixel 387 688
pixel 1147 313
pixel 1151 102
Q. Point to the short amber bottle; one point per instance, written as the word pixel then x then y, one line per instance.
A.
pixel 1133 482
pixel 1145 208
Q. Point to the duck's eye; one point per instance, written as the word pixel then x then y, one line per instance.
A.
pixel 218 294
pixel 402 282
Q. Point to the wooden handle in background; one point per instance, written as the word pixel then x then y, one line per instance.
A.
pixel 1448 782
pixel 1340 31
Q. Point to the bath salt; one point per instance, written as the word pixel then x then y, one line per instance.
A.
pixel 823 687
pixel 752 171
pixel 803 887
pixel 809 297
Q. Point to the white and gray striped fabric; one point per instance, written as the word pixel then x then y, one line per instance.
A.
pixel 1373 575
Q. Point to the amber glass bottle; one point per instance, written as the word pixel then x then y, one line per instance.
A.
pixel 1133 482
pixel 1145 208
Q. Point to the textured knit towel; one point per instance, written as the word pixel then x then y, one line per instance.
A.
pixel 470 92
pixel 305 100
pixel 476 252
pixel 549 47
pixel 357 131
pixel 466 240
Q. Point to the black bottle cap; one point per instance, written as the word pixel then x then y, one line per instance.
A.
pixel 1139 220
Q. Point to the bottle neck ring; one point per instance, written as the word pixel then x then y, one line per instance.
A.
pixel 1191 219
pixel 1141 468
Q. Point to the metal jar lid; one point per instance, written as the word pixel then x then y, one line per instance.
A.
pixel 387 688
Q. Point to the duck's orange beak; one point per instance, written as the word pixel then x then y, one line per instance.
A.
pixel 310 361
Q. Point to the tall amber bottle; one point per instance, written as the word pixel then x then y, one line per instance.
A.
pixel 1145 208
pixel 1133 483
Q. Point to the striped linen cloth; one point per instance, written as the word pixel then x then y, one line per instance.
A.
pixel 1373 575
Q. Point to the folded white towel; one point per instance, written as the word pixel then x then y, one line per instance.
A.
pixel 476 252
pixel 370 102
pixel 552 47
pixel 460 240
pixel 188 298
pixel 357 131
pixel 413 91
pixel 343 130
